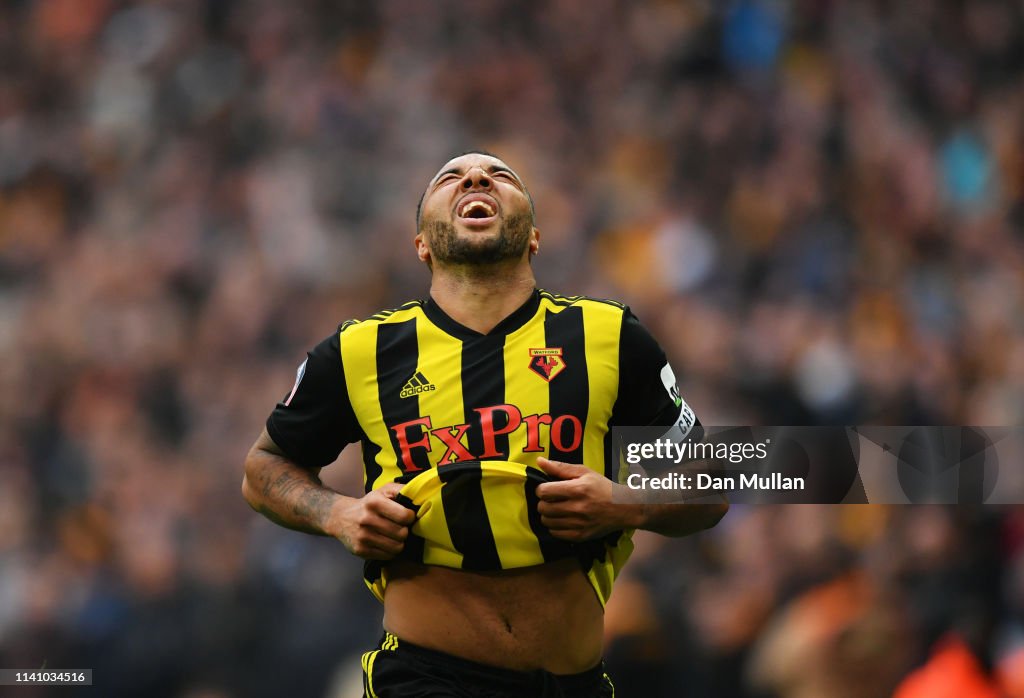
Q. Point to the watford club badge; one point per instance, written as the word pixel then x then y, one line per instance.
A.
pixel 547 363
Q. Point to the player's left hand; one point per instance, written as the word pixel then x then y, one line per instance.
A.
pixel 579 505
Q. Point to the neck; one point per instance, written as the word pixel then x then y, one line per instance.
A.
pixel 481 297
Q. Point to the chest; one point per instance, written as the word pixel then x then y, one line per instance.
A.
pixel 435 399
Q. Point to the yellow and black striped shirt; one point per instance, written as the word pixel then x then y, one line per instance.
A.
pixel 461 417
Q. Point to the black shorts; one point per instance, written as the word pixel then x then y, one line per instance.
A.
pixel 397 669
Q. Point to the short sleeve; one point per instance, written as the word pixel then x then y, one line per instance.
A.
pixel 648 392
pixel 315 421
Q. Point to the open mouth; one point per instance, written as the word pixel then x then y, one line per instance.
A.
pixel 477 210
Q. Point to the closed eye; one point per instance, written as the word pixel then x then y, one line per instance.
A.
pixel 508 176
pixel 447 177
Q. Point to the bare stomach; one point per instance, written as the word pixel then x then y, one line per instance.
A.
pixel 544 617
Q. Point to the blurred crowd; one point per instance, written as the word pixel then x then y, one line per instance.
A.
pixel 816 205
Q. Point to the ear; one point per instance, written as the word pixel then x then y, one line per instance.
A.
pixel 422 250
pixel 534 241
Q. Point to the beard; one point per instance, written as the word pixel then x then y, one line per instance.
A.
pixel 447 247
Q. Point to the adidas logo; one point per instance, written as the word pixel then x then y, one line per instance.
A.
pixel 416 385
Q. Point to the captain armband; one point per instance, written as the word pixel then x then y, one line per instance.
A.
pixel 686 426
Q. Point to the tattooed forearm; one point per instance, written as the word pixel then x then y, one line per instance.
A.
pixel 314 504
pixel 288 481
pixel 299 492
pixel 285 493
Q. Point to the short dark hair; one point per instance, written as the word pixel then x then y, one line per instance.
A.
pixel 419 206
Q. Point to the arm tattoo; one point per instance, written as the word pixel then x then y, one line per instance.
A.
pixel 295 499
pixel 283 485
pixel 312 504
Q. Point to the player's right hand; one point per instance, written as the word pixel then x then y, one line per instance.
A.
pixel 375 526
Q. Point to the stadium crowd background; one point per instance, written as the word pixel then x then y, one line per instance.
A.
pixel 816 205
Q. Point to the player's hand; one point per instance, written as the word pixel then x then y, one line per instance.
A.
pixel 579 505
pixel 375 526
